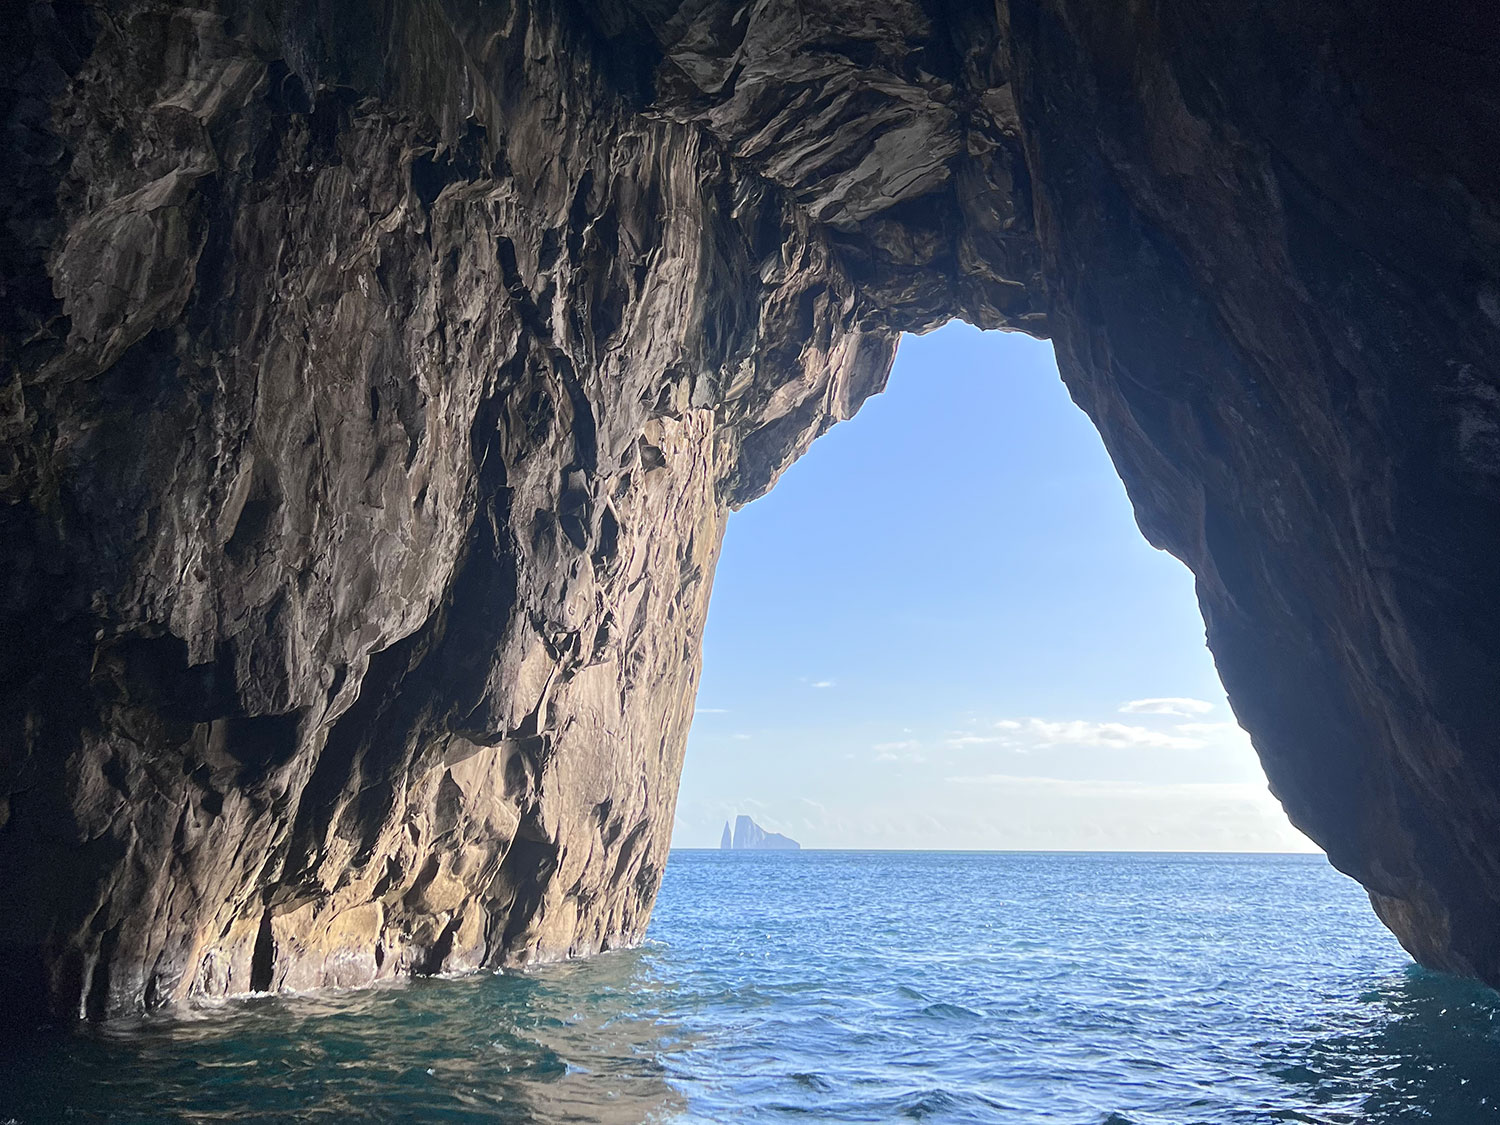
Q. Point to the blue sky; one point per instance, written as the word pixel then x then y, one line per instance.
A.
pixel 942 628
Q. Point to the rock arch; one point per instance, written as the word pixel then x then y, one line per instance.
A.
pixel 379 378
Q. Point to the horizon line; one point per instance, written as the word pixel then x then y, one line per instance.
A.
pixel 1001 851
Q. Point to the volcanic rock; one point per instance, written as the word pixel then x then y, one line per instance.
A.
pixel 377 380
pixel 751 837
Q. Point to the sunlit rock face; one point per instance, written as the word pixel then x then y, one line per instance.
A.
pixel 377 388
pixel 377 379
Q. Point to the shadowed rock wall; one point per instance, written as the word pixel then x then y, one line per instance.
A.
pixel 1272 234
pixel 378 379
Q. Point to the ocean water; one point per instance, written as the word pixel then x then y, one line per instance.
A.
pixel 859 987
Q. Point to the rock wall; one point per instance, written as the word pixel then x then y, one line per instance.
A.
pixel 377 379
pixel 1272 234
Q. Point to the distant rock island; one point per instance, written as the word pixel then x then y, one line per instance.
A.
pixel 751 837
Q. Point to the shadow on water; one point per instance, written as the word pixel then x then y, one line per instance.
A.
pixel 846 987
pixel 1426 1049
pixel 574 1042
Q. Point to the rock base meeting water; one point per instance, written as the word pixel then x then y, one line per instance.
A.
pixel 851 987
pixel 379 379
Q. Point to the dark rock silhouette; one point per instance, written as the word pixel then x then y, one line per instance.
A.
pixel 751 837
pixel 378 378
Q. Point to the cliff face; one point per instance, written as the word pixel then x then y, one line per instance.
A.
pixel 378 378
pixel 377 386
pixel 1272 236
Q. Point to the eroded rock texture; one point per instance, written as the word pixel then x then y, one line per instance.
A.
pixel 377 386
pixel 1272 234
pixel 377 379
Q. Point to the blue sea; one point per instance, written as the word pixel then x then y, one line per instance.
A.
pixel 1086 989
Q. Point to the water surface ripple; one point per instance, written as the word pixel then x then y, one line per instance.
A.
pixel 860 987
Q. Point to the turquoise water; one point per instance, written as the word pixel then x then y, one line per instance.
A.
pixel 860 987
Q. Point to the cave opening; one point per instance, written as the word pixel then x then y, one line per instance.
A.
pixel 943 630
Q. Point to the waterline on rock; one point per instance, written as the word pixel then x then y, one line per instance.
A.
pixel 847 986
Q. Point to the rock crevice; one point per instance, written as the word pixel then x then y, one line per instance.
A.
pixel 378 379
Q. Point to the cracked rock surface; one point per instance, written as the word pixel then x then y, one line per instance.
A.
pixel 375 381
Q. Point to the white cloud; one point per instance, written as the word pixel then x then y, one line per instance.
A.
pixel 1022 735
pixel 1174 705
pixel 742 737
pixel 1097 814
pixel 1091 787
pixel 958 741
pixel 905 751
pixel 710 710
pixel 1117 736
pixel 823 683
pixel 1208 730
pixel 984 809
pixel 1226 736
